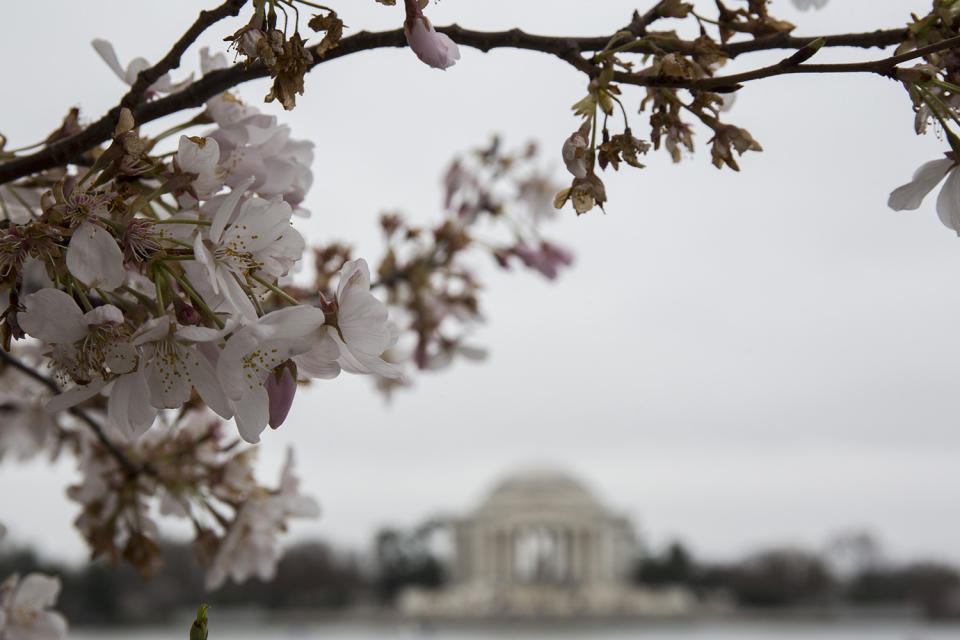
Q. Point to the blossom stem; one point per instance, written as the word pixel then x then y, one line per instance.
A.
pixel 250 295
pixel 197 300
pixel 197 120
pixel 626 120
pixel 158 282
pixel 146 198
pixel 931 97
pixel 80 294
pixel 945 85
pixel 935 105
pixel 179 243
pixel 310 4
pixel 280 293
pixel 593 140
pixel 167 207
pixel 203 223
pixel 144 300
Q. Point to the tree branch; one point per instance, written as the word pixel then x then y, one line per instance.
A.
pixel 867 40
pixel 172 60
pixel 128 465
pixel 884 67
pixel 64 151
pixel 568 49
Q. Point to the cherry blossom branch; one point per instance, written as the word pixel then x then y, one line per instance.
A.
pixel 172 60
pixel 128 465
pixel 884 67
pixel 568 49
pixel 65 151
pixel 880 38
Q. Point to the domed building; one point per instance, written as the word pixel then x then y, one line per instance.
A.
pixel 542 545
pixel 543 526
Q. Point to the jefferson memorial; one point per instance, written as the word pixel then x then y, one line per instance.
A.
pixel 541 544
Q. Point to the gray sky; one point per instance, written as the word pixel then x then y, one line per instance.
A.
pixel 736 359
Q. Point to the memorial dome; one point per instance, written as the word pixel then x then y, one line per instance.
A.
pixel 537 489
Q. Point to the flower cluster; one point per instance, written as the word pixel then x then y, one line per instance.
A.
pixel 494 202
pixel 157 279
pixel 190 468
pixel 934 88
pixel 25 608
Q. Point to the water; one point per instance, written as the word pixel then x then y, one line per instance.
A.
pixel 879 630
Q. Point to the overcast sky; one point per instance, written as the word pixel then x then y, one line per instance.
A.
pixel 750 359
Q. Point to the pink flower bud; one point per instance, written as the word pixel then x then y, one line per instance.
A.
pixel 281 386
pixel 435 49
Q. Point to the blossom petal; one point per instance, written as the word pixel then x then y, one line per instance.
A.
pixel 205 381
pixel 435 49
pixel 948 202
pixel 363 319
pixel 251 414
pixel 225 212
pixel 354 273
pixel 201 158
pixel 105 50
pixel 36 591
pixel 910 195
pixel 234 377
pixel 321 360
pixel 94 258
pixel 52 316
pixel 73 396
pixel 129 407
pixel 104 314
pixel 290 322
pixel 358 362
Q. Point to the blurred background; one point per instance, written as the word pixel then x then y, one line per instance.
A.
pixel 756 371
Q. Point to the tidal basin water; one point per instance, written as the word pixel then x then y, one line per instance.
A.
pixel 879 630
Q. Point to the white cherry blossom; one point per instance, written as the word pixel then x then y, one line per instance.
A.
pixel 363 330
pixel 253 145
pixel 129 73
pixel 253 352
pixel 252 239
pixel 929 175
pixel 25 608
pixel 173 365
pixel 434 49
pixel 251 546
pixel 201 156
pixel 85 345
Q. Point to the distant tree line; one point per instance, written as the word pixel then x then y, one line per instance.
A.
pixel 311 576
pixel 800 578
pixel 317 577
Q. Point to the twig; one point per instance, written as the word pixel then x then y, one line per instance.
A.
pixel 884 67
pixel 568 49
pixel 67 150
pixel 868 40
pixel 128 465
pixel 638 26
pixel 172 60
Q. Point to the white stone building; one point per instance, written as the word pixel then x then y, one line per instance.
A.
pixel 542 545
pixel 543 526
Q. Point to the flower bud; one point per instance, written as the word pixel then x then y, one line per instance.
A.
pixel 435 49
